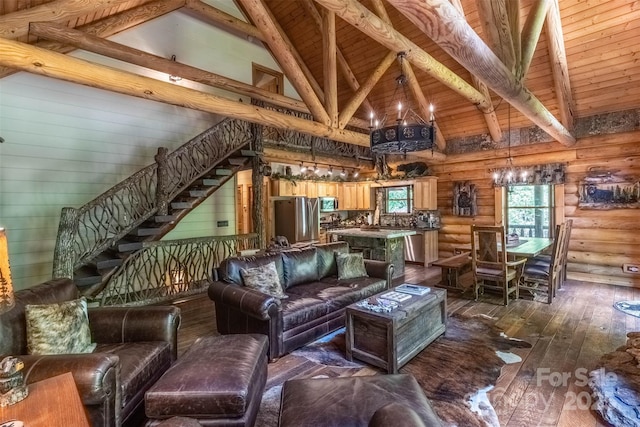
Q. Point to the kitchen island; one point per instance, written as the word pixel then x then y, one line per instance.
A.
pixel 377 244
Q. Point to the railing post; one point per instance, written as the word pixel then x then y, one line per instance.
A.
pixel 64 257
pixel 256 181
pixel 162 190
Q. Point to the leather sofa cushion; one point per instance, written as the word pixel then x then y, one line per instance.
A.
pixel 300 267
pixel 310 301
pixel 141 364
pixel 350 401
pixel 216 378
pixel 327 258
pixel 229 270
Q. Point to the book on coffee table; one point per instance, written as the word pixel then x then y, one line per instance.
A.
pixel 408 288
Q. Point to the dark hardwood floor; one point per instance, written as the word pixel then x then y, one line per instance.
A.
pixel 548 388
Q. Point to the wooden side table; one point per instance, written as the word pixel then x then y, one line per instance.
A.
pixel 53 402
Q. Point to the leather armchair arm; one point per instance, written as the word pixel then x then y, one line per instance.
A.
pixel 248 301
pixel 379 269
pixel 95 374
pixel 135 324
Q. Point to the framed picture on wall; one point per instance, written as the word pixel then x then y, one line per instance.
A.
pixel 607 190
pixel 464 199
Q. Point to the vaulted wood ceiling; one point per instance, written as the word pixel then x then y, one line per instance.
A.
pixel 554 62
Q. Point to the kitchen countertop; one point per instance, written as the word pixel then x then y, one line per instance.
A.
pixel 376 234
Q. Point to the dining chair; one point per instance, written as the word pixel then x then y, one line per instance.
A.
pixel 490 264
pixel 545 260
pixel 541 276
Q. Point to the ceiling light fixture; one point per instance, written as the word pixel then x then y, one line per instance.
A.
pixel 303 168
pixel 343 173
pixel 172 77
pixel 510 174
pixel 355 173
pixel 410 132
pixel 330 171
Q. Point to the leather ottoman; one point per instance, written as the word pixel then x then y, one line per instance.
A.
pixel 219 381
pixel 353 402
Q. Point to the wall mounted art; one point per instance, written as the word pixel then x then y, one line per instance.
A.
pixel 464 199
pixel 606 190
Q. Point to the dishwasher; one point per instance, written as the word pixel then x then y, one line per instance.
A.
pixel 414 248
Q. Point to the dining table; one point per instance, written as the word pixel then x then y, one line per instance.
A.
pixel 525 248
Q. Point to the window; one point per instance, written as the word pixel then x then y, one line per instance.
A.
pixel 529 210
pixel 399 199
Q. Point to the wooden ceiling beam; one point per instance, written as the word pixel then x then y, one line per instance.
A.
pixel 16 24
pixel 531 34
pixel 330 66
pixel 559 66
pixel 112 25
pixel 494 21
pixel 295 157
pixel 513 14
pixel 351 79
pixel 440 21
pixel 364 20
pixel 490 116
pixel 288 59
pixel 51 64
pixel 223 19
pixel 350 108
pixel 124 53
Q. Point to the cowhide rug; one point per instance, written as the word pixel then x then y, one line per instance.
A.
pixel 628 307
pixel 456 371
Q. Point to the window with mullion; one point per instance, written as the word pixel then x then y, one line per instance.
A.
pixel 399 199
pixel 529 210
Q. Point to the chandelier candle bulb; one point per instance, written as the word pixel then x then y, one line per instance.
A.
pixel 399 111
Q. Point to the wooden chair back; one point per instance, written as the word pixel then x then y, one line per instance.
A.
pixel 488 247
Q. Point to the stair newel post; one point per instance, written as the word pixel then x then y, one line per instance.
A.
pixel 162 190
pixel 256 181
pixel 64 256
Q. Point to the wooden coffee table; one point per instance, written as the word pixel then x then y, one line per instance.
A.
pixel 390 340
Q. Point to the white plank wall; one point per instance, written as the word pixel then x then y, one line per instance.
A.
pixel 65 144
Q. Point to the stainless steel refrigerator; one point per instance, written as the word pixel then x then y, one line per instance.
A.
pixel 297 218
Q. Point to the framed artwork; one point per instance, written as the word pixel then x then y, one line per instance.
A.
pixel 608 190
pixel 464 199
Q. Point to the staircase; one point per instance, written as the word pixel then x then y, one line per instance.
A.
pixel 95 240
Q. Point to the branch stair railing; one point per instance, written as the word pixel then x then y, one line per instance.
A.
pixel 165 270
pixel 95 241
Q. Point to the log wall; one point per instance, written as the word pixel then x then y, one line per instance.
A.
pixel 601 240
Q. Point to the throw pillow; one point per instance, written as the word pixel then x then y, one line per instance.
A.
pixel 61 328
pixel 350 266
pixel 264 279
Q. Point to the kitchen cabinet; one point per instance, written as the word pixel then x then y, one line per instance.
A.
pixel 311 189
pixel 425 193
pixel 363 196
pixel 327 189
pixel 422 247
pixel 355 196
pixel 348 199
pixel 285 187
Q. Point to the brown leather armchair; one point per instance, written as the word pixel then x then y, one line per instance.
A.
pixel 135 346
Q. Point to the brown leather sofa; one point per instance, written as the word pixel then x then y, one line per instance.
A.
pixel 135 346
pixel 316 297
